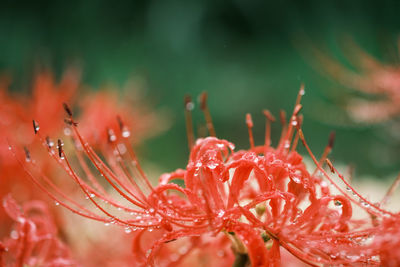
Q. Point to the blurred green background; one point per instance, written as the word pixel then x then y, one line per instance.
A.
pixel 243 53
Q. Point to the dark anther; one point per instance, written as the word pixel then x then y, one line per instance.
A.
pixel 60 149
pixel 35 126
pixel 27 154
pixel 120 123
pixel 67 109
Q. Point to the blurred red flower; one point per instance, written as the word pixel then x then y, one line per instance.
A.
pixel 33 240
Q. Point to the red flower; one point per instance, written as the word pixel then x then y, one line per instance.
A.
pixel 33 241
pixel 46 105
pixel 263 199
pixel 16 112
pixel 370 77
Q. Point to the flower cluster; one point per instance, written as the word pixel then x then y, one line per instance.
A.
pixel 45 103
pixel 259 206
pixel 379 81
pixel 33 241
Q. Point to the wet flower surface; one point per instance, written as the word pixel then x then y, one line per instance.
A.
pixel 254 206
pixel 33 241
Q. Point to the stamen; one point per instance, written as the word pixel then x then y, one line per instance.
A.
pixel 300 94
pixel 206 111
pixel 327 150
pixel 49 142
pixel 124 130
pixel 35 126
pixel 111 135
pixel 390 191
pixel 282 117
pixel 67 109
pixel 27 154
pixel 60 145
pixel 189 122
pixel 249 123
pixel 70 122
pixel 269 119
pixel 330 165
pixel 299 121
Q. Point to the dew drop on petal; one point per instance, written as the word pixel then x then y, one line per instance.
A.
pixel 287 144
pixel 67 131
pixel 221 213
pixel 126 133
pixel 14 234
pixel 296 180
pixel 212 165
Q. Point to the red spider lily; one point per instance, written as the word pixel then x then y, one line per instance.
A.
pixel 371 77
pixel 34 240
pixel 45 104
pixel 263 199
pixel 15 117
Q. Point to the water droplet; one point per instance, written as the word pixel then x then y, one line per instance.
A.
pixel 221 253
pixel 14 234
pixel 296 180
pixel 92 195
pixel 122 148
pixel 365 204
pixel 67 131
pixel 212 165
pixel 9 147
pixel 126 133
pixel 150 229
pixel 151 210
pixel 189 106
pixel 174 257
pixel 128 230
pixel 287 144
pixel 198 164
pixel 56 203
pixel 221 213
pixel 221 146
pixel 294 122
pixel 302 92
pixel 183 250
